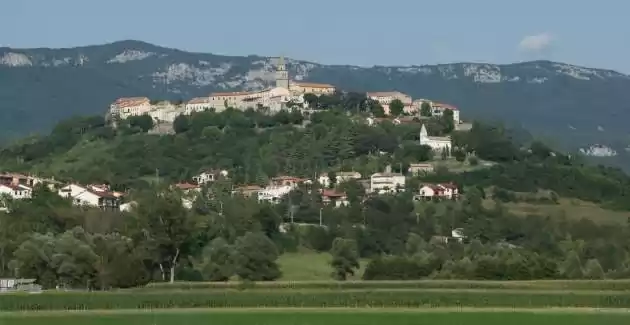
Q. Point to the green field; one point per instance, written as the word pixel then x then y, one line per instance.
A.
pixel 323 317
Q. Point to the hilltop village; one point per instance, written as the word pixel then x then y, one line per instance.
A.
pixel 287 95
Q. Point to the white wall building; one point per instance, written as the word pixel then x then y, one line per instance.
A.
pixel 437 109
pixel 436 143
pixel 130 106
pixel 90 196
pixel 274 193
pixel 16 192
pixel 340 177
pixel 198 104
pixel 386 97
pixel 387 182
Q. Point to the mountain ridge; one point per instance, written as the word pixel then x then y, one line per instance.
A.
pixel 575 105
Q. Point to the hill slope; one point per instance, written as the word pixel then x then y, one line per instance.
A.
pixel 576 106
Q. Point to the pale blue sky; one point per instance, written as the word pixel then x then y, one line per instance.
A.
pixel 366 32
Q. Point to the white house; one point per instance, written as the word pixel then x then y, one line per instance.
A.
pixel 340 177
pixel 90 196
pixel 274 193
pixel 130 106
pixel 210 176
pixel 387 182
pixel 126 207
pixel 198 104
pixel 336 198
pixel 438 109
pixel 436 143
pixel 442 191
pixel 16 192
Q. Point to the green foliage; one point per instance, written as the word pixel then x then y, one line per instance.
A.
pixel 396 107
pixel 345 258
pixel 425 109
pixel 255 258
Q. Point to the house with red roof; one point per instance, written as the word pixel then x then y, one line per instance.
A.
pixel 90 195
pixel 338 199
pixel 448 191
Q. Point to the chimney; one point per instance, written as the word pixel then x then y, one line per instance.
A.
pixel 388 169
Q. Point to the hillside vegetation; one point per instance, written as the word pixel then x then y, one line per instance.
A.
pixel 225 236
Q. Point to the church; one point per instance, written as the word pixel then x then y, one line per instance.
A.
pixel 436 143
pixel 275 98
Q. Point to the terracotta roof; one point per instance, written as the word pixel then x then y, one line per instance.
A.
pixel 131 101
pixel 186 186
pixel 447 106
pixel 103 194
pixel 199 100
pixel 14 175
pixel 234 94
pixel 312 84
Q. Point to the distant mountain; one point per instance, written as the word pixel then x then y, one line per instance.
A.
pixel 574 106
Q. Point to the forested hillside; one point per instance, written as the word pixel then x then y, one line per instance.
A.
pixel 226 236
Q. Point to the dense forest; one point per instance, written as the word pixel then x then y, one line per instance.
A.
pixel 226 236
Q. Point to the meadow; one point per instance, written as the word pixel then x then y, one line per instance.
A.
pixel 322 317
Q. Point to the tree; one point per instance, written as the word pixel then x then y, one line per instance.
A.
pixel 181 124
pixel 312 100
pixel 144 122
pixel 167 227
pixel 255 258
pixel 396 107
pixel 376 109
pixel 460 155
pixel 425 109
pixel 345 258
pixel 332 179
pixel 217 261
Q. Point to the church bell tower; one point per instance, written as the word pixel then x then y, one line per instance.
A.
pixel 282 75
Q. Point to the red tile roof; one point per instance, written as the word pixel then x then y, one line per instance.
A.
pixel 333 194
pixel 131 101
pixel 199 100
pixel 186 186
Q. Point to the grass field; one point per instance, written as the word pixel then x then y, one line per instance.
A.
pixel 570 208
pixel 309 265
pixel 322 317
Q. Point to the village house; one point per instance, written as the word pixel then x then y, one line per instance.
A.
pixel 335 198
pixel 386 97
pixel 187 187
pixel 298 87
pixel 248 190
pixel 437 191
pixel 436 143
pixel 165 111
pixel 288 181
pixel 387 182
pixel 340 177
pixel 198 104
pixel 420 169
pixel 210 176
pixel 130 106
pixel 16 192
pixel 274 193
pixel 90 196
pixel 438 109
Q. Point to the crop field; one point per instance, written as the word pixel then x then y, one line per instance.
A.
pixel 321 317
pixel 331 303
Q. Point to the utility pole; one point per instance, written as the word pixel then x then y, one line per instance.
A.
pixel 157 175
pixel 320 217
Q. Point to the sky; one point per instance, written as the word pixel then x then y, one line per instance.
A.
pixel 367 32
